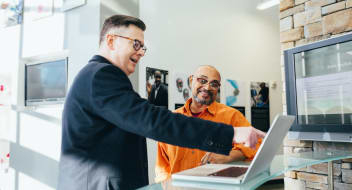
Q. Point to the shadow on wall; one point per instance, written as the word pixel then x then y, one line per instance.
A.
pixel 31 169
pixel 35 165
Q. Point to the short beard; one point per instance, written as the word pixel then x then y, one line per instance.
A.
pixel 204 102
pixel 157 84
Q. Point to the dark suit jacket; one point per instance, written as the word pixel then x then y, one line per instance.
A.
pixel 104 128
pixel 265 95
pixel 161 98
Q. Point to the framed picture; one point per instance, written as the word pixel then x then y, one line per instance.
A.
pixel 259 94
pixel 71 4
pixel 38 9
pixel 11 12
pixel 183 88
pixel 157 86
pixel 234 92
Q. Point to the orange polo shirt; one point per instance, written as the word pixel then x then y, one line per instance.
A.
pixel 172 159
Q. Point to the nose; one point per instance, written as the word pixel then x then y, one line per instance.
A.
pixel 141 52
pixel 207 86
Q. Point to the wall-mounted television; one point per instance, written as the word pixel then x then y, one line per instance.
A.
pixel 45 79
pixel 319 90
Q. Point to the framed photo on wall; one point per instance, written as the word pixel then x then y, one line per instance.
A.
pixel 260 106
pixel 157 86
pixel 183 88
pixel 234 92
pixel 71 4
pixel 38 9
pixel 11 12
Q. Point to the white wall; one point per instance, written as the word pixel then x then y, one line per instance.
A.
pixel 240 41
pixel 82 27
pixel 9 51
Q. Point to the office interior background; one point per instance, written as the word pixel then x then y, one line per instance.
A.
pixel 242 42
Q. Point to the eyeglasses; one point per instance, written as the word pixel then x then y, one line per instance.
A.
pixel 137 45
pixel 214 84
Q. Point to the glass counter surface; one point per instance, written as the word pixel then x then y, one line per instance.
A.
pixel 279 165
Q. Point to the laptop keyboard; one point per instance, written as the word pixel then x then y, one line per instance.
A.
pixel 230 172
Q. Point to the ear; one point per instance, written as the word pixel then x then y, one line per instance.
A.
pixel 110 41
pixel 190 79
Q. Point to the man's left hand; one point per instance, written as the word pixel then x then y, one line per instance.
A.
pixel 213 158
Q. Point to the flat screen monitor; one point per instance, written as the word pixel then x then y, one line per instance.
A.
pixel 178 106
pixel 242 109
pixel 319 89
pixel 260 118
pixel 46 82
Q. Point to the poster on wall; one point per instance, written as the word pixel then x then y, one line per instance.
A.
pixel 259 92
pixel 182 88
pixel 157 86
pixel 260 109
pixel 234 93
pixel 38 9
pixel 11 12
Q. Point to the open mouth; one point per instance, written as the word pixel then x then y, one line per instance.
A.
pixel 134 60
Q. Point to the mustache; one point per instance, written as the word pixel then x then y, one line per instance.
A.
pixel 204 102
pixel 210 93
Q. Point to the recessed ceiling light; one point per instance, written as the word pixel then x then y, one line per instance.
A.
pixel 267 3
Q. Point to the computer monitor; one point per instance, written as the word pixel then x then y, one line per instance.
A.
pixel 319 90
pixel 178 106
pixel 45 80
pixel 260 118
pixel 242 109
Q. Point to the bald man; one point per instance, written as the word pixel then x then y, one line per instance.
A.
pixel 205 83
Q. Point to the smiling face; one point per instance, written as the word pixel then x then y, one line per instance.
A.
pixel 203 82
pixel 121 51
pixel 157 81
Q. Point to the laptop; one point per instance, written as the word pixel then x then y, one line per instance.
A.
pixel 237 174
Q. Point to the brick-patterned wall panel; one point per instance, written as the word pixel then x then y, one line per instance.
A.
pixel 338 22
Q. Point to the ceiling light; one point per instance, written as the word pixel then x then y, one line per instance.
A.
pixel 267 4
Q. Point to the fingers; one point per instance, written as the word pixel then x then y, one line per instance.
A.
pixel 260 134
pixel 247 135
pixel 247 144
pixel 205 158
pixel 250 142
pixel 254 141
pixel 213 158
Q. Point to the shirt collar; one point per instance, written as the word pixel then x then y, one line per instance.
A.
pixel 101 59
pixel 210 109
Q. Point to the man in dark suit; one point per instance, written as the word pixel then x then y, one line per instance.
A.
pixel 158 95
pixel 264 94
pixel 105 122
